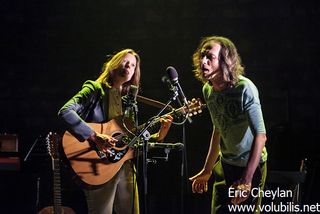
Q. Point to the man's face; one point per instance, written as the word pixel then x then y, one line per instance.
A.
pixel 209 60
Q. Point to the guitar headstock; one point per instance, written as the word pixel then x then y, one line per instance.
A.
pixel 52 141
pixel 194 107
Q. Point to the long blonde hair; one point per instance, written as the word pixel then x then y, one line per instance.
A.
pixel 230 61
pixel 114 64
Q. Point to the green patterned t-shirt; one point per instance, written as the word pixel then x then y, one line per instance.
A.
pixel 236 114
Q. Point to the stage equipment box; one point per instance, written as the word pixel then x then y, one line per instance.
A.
pixel 8 143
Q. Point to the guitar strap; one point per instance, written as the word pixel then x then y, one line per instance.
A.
pixel 105 103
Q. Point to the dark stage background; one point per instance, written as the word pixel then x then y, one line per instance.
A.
pixel 49 48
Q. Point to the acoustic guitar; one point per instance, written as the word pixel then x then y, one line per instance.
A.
pixel 53 141
pixel 92 165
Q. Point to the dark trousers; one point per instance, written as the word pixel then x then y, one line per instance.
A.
pixel 225 175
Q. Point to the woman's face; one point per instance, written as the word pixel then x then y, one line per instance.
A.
pixel 126 69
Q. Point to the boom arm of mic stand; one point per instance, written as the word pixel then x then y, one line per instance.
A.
pixel 148 124
pixel 174 89
pixel 180 103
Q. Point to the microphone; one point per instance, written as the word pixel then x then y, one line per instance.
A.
pixel 173 76
pixel 171 87
pixel 133 92
pixel 130 99
pixel 131 96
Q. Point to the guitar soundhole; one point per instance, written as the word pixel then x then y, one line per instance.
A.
pixel 118 152
pixel 123 140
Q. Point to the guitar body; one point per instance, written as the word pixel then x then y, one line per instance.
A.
pixel 95 167
pixel 86 161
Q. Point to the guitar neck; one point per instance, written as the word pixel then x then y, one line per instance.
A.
pixel 56 186
pixel 155 122
pixel 175 113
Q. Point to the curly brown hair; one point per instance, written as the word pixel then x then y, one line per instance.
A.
pixel 229 59
pixel 113 65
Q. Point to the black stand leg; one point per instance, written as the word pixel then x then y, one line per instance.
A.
pixel 38 195
pixel 145 175
pixel 184 169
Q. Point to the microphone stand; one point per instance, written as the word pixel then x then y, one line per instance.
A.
pixel 131 112
pixel 134 108
pixel 184 168
pixel 145 135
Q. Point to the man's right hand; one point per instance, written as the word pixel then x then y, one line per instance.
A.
pixel 103 141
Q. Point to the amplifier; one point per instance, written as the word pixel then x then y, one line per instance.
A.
pixel 8 143
pixel 9 163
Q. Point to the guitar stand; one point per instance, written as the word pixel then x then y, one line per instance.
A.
pixel 26 158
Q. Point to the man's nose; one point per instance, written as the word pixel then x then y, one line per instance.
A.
pixel 204 60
